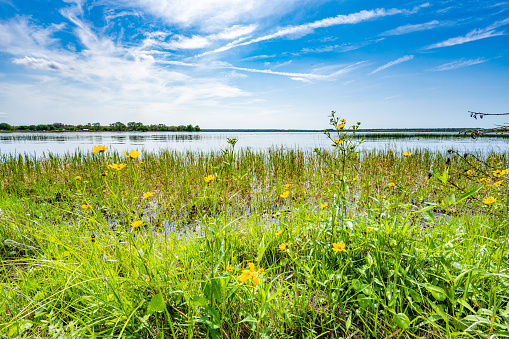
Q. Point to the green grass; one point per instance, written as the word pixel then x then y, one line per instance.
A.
pixel 74 272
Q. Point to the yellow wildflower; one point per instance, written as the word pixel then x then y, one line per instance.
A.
pixel 285 194
pixel 282 247
pixel 489 200
pixel 341 126
pixel 147 195
pixel 499 164
pixel 77 177
pixel 246 274
pixel 251 274
pixel 260 270
pixel 324 205
pixel 136 223
pixel 229 268
pixel 369 229
pixel 256 279
pixel 485 179
pixel 85 207
pixel 470 172
pixel 504 172
pixel 209 178
pixel 354 179
pixel 338 142
pixel 133 154
pixel 343 120
pixel 498 183
pixel 99 149
pixel 287 186
pixel 118 167
pixel 407 154
pixel 338 247
pixel 391 184
pixel 497 173
pixel 279 232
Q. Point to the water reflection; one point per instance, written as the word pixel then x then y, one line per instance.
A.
pixel 63 142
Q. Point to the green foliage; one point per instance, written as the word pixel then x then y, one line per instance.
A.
pixel 426 257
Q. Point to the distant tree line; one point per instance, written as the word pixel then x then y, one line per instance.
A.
pixel 97 127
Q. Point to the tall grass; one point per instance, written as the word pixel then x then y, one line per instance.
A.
pixel 426 257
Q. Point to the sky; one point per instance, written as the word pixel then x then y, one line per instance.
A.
pixel 254 64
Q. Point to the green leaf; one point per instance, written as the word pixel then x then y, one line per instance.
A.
pixel 468 194
pixel 156 304
pixel 348 322
pixel 437 292
pixel 425 209
pixel 199 301
pixel 402 320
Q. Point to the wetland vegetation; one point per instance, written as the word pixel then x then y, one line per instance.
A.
pixel 282 243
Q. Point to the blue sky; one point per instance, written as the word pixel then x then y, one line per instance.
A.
pixel 254 63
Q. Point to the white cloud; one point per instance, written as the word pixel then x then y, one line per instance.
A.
pixel 473 35
pixel 412 28
pixel 38 63
pixel 157 39
pixel 306 77
pixel 393 63
pixel 301 30
pixel 258 57
pixel 458 64
pixel 212 15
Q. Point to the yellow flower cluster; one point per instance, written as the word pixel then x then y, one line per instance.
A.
pixel 391 184
pixel 407 154
pixel 251 274
pixel 209 178
pixel 338 142
pixel 147 195
pixel 324 205
pixel 283 246
pixel 341 126
pixel 279 232
pixel 285 194
pixel 136 223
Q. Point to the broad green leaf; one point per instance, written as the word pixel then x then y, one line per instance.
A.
pixel 438 292
pixel 199 301
pixel 402 320
pixel 156 304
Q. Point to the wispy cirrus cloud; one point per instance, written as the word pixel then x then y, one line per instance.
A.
pixel 458 64
pixel 305 77
pixel 304 29
pixel 412 28
pixel 393 63
pixel 211 15
pixel 476 34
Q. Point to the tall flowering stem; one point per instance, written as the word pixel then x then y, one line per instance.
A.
pixel 345 147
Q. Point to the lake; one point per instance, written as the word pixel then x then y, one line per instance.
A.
pixel 64 142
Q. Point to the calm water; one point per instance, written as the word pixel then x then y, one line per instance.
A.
pixel 59 143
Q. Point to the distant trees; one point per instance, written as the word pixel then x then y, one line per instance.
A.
pixel 5 127
pixel 116 126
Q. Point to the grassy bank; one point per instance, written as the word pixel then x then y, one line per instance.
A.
pixel 242 244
